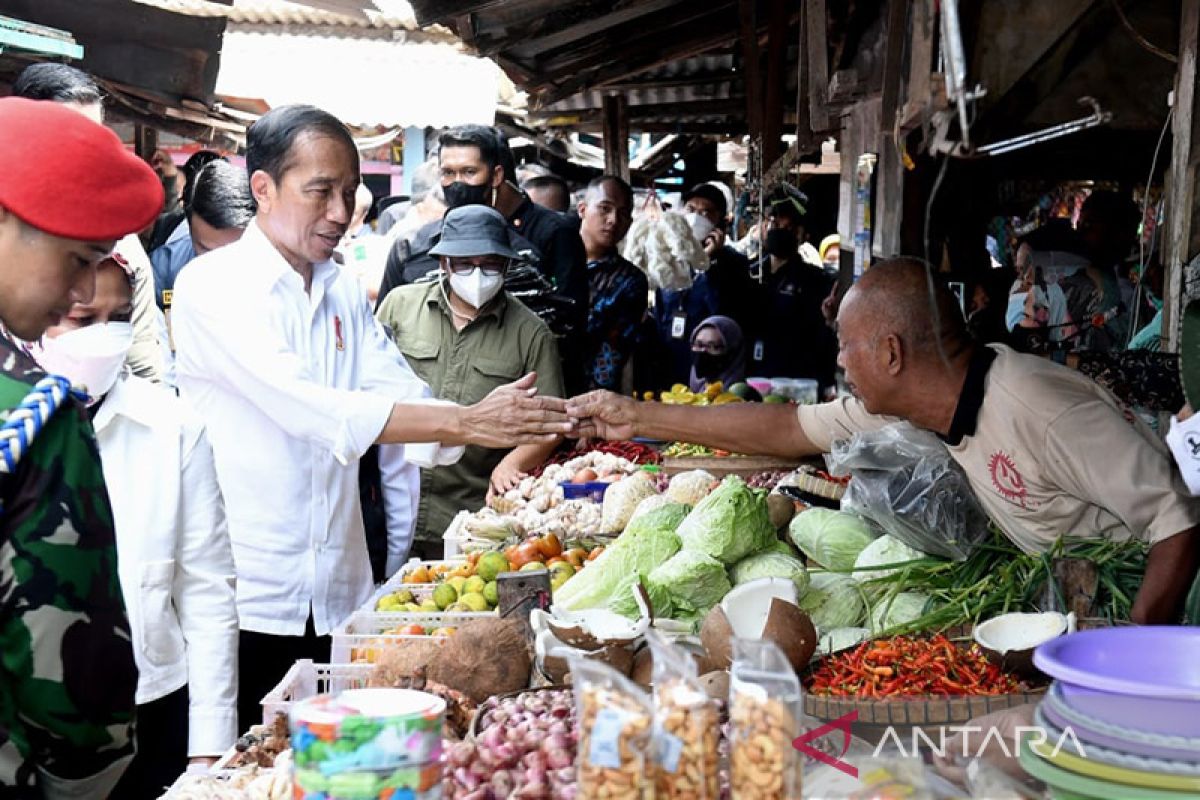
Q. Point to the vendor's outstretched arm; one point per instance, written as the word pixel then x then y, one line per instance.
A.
pixel 751 428
pixel 511 415
pixel 1170 570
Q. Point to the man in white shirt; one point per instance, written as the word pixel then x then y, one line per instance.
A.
pixel 1047 451
pixel 279 352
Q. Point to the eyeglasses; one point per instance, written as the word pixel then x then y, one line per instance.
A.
pixel 490 266
pixel 712 349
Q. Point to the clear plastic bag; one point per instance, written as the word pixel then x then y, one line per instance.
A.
pixel 687 728
pixel 905 482
pixel 691 487
pixel 765 715
pixel 621 500
pixel 615 733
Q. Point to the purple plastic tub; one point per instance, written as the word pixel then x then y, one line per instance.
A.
pixel 1121 739
pixel 1143 678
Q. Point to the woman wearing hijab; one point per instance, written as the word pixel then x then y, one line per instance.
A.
pixel 174 558
pixel 718 353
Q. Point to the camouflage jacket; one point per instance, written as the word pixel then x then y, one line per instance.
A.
pixel 67 675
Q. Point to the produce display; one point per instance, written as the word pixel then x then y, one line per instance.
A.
pixel 910 666
pixel 681 395
pixel 634 452
pixel 524 746
pixel 246 783
pixel 615 735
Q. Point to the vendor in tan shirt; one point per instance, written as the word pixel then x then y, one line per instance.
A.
pixel 1047 451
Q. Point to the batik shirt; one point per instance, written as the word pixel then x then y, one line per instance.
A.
pixel 67 675
pixel 619 294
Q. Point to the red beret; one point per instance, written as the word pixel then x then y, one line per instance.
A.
pixel 66 175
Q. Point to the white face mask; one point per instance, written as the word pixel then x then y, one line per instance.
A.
pixel 701 227
pixel 90 357
pixel 475 287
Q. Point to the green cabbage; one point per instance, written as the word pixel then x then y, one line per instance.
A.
pixel 771 564
pixel 783 547
pixel 837 639
pixel 625 602
pixel 729 524
pixel 901 609
pixel 883 552
pixel 833 600
pixel 646 543
pixel 832 539
pixel 694 581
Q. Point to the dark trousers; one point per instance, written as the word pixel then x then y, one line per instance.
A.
pixel 263 660
pixel 162 742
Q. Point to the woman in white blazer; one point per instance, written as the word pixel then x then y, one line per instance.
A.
pixel 174 558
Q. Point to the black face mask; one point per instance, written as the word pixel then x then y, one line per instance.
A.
pixel 459 194
pixel 781 243
pixel 710 365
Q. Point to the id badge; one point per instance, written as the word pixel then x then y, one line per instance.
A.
pixel 758 350
pixel 678 325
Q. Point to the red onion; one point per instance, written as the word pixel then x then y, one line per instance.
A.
pixel 559 759
pixel 534 761
pixel 466 779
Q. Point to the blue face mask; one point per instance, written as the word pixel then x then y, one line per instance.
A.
pixel 1154 301
pixel 1016 309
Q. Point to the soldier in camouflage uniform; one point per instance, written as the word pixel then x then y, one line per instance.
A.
pixel 67 674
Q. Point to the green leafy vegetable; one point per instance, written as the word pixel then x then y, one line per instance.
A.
pixel 833 600
pixel 885 551
pixel 832 539
pixel 729 524
pixel 771 564
pixel 694 581
pixel 646 543
pixel 895 611
pixel 625 603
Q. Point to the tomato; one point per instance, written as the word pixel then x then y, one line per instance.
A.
pixel 525 553
pixel 576 555
pixel 549 546
pixel 556 560
pixel 592 556
pixel 411 630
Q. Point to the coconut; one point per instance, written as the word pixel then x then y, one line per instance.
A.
pixel 468 662
pixel 781 509
pixel 1010 639
pixel 761 609
pixel 595 628
pixel 643 667
pixel 716 684
pixel 553 657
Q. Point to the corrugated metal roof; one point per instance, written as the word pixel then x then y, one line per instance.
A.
pixel 393 14
pixel 363 81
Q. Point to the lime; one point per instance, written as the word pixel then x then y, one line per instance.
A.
pixel 490 565
pixel 474 601
pixel 458 581
pixel 445 595
pixel 532 565
pixel 429 607
pixel 474 585
pixel 491 593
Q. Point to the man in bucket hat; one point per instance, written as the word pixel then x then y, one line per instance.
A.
pixel 67 678
pixel 465 336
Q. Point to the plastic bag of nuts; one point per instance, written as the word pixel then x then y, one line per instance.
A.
pixel 765 709
pixel 615 720
pixel 687 728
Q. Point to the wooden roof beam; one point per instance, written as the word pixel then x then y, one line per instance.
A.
pixel 428 12
pixel 552 40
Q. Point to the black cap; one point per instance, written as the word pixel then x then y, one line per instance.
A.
pixel 474 230
pixel 710 193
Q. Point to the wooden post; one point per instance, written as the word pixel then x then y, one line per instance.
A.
pixel 751 67
pixel 818 64
pixel 1182 226
pixel 772 111
pixel 616 135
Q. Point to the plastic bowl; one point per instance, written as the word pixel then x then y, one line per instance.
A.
pixel 1144 678
pixel 592 490
pixel 761 385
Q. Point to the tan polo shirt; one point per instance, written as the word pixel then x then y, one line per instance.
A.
pixel 1051 454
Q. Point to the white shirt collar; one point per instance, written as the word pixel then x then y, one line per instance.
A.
pixel 270 265
pixel 125 400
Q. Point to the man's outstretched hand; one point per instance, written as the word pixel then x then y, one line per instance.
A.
pixel 603 415
pixel 514 414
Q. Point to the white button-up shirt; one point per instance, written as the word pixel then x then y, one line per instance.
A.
pixel 293 387
pixel 173 556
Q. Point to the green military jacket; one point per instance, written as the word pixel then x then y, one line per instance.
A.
pixel 504 342
pixel 67 674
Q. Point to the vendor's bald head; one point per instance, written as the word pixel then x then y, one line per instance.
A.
pixel 898 329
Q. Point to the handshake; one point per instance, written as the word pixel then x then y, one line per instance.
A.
pixel 515 414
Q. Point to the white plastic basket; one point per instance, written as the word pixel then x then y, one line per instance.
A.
pixel 307 679
pixel 221 777
pixel 358 639
pixel 396 582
